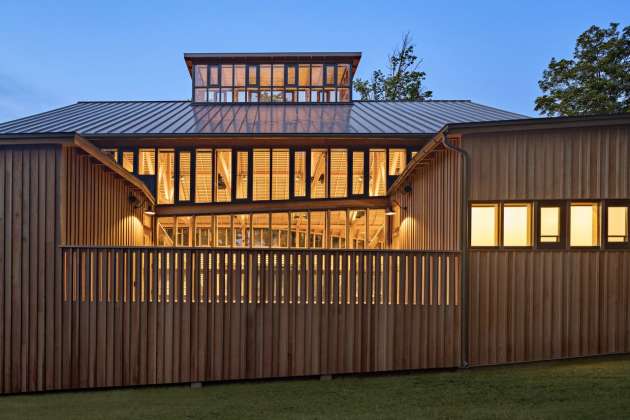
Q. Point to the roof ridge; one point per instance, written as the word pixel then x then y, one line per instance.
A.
pixel 413 100
pixel 133 101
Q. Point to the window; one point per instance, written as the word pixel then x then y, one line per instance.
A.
pixel 617 229
pixel 166 231
pixel 317 74
pixel 260 224
pixel 223 236
pixel 240 228
pixel 203 176
pixel 484 225
pixel 183 232
pixel 239 75
pixel 262 171
pixel 378 184
pixel 184 176
pixel 319 173
pixel 280 174
pixel 252 75
pixel 317 229
pixel 338 173
pixel 376 228
pixel 304 77
pixel 358 162
pixel 584 225
pixel 166 177
pixel 299 229
pixel 242 165
pixel 127 161
pixel 146 162
pixel 214 75
pixel 278 75
pixel 299 174
pixel 113 153
pixel 223 183
pixel 227 72
pixel 549 225
pixel 330 74
pixel 516 225
pixel 280 230
pixel 291 75
pixel 357 229
pixel 343 74
pixel 337 229
pixel 265 75
pixel 397 161
pixel 203 231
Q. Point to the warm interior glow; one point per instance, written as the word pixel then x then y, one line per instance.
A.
pixel 584 224
pixel 299 175
pixel 516 225
pixel 146 162
pixel 261 171
pixel 549 224
pixel 241 175
pixel 378 183
pixel 203 176
pixel 357 173
pixel 617 224
pixel 223 181
pixel 166 177
pixel 397 161
pixel 184 176
pixel 483 225
pixel 127 161
pixel 319 173
pixel 280 174
pixel 337 229
pixel 338 173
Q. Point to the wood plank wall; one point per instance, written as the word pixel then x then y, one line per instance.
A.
pixel 136 316
pixel 430 212
pixel 97 205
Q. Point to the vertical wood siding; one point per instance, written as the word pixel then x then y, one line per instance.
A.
pixel 431 218
pixel 98 211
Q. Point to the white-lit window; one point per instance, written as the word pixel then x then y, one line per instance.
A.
pixel 484 225
pixel 617 224
pixel 549 222
pixel 584 229
pixel 516 225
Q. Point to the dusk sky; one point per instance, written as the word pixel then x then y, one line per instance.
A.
pixel 55 53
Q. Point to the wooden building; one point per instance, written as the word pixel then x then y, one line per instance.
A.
pixel 272 226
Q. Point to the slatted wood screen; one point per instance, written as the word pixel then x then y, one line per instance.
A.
pixel 136 316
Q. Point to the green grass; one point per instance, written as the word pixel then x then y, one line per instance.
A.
pixel 584 388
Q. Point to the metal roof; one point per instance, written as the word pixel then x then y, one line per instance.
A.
pixel 182 118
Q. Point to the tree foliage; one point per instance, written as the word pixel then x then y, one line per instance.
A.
pixel 402 81
pixel 595 81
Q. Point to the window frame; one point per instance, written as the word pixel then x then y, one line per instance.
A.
pixel 604 224
pixel 600 225
pixel 498 225
pixel 530 224
pixel 562 235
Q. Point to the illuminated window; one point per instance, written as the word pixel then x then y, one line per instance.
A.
pixel 278 75
pixel 184 176
pixel 304 77
pixel 549 224
pixel 397 161
pixel 330 74
pixel 166 177
pixel 378 182
pixel 262 171
pixel 318 229
pixel 223 226
pixel 260 225
pixel 299 175
pixel 299 229
pixel 357 229
pixel 280 230
pixel 214 75
pixel 291 74
pixel 584 225
pixel 203 176
pixel 484 225
pixel 242 165
pixel 343 95
pixel 239 75
pixel 240 228
pixel 252 75
pixel 127 161
pixel 146 162
pixel 280 174
pixel 166 231
pixel 201 75
pixel 227 72
pixel 617 224
pixel 319 173
pixel 338 173
pixel 111 152
pixel 183 231
pixel 358 182
pixel 317 75
pixel 516 225
pixel 337 229
pixel 376 228
pixel 223 183
pixel 203 231
pixel 265 75
pixel 343 74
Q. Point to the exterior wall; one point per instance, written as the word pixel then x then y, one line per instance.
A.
pixel 98 211
pixel 431 217
pixel 530 304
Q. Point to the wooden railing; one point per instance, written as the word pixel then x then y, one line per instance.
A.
pixel 138 315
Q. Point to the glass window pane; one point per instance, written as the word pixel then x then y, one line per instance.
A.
pixel 397 161
pixel 223 184
pixel 241 174
pixel 214 95
pixel 262 171
pixel 317 95
pixel 330 74
pixel 227 73
pixel 483 225
pixel 337 229
pixel 264 96
pixel 226 95
pixel 299 177
pixel 516 225
pixel 184 176
pixel 166 177
pixel 304 76
pixel 146 162
pixel 203 231
pixel 239 75
pixel 252 77
pixel 223 236
pixel 376 228
pixel 319 173
pixel 317 74
pixel 357 229
pixel 330 95
pixel 166 231
pixel 318 229
pixel 127 161
pixel 240 228
pixel 277 95
pixel 260 223
pixel 338 173
pixel 617 224
pixel 201 75
pixel 183 231
pixel 358 166
pixel 291 74
pixel 299 229
pixel 343 95
pixel 304 95
pixel 280 230
pixel 378 183
pixel 203 176
pixel 252 95
pixel 265 75
pixel 240 95
pixel 200 95
pixel 113 153
pixel 290 95
pixel 584 224
pixel 214 75
pixel 343 74
pixel 280 175
pixel 278 74
pixel 549 224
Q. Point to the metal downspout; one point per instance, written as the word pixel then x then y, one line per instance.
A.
pixel 463 246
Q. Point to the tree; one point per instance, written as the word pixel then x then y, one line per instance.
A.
pixel 595 81
pixel 403 79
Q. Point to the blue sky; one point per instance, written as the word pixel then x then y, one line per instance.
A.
pixel 54 53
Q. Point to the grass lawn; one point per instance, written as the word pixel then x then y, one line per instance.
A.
pixel 584 388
